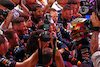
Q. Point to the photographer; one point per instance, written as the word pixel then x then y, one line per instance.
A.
pixel 43 45
pixel 94 41
pixel 32 42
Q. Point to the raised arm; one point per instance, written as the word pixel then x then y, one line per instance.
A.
pixel 30 62
pixel 9 18
pixel 24 8
pixel 94 38
pixel 4 26
pixel 50 2
pixel 58 57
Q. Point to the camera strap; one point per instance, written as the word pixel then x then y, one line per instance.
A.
pixel 54 50
pixel 40 56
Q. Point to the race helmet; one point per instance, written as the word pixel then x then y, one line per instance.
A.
pixel 79 30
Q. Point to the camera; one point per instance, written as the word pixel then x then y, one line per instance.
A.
pixel 86 7
pixel 89 6
pixel 47 20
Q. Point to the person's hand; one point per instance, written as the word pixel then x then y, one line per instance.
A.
pixel 77 15
pixel 52 35
pixel 42 43
pixel 95 20
pixel 94 38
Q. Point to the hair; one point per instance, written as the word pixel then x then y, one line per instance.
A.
pixel 32 43
pixel 25 16
pixel 2 39
pixel 46 55
pixel 50 9
pixel 34 7
pixel 67 7
pixel 9 34
pixel 17 20
pixel 72 2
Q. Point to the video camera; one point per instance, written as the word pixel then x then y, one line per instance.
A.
pixel 89 6
pixel 93 6
pixel 86 7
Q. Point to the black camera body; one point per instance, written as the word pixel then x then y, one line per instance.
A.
pixel 46 36
pixel 86 7
pixel 89 6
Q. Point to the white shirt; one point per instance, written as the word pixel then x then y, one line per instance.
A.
pixel 56 6
pixel 96 59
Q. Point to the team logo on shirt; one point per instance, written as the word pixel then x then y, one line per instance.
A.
pixel 4 61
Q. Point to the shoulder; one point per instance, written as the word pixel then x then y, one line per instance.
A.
pixel 96 58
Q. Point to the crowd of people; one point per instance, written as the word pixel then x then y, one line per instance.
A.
pixel 42 33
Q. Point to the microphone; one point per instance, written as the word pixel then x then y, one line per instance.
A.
pixel 7 3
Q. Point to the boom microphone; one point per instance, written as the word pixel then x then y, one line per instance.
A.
pixel 7 3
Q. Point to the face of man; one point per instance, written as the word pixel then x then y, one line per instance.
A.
pixel 54 16
pixel 21 28
pixel 67 14
pixel 38 13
